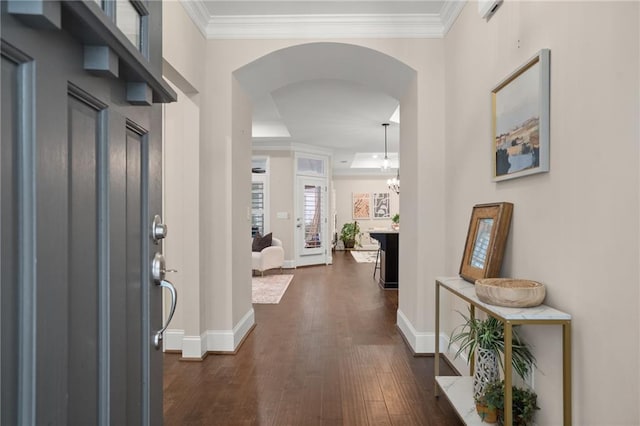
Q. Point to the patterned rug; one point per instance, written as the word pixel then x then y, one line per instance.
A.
pixel 364 256
pixel 270 288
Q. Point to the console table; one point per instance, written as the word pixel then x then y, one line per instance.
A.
pixel 388 256
pixel 459 390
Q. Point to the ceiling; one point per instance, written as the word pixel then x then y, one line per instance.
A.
pixel 329 97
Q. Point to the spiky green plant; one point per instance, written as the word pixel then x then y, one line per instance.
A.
pixel 489 334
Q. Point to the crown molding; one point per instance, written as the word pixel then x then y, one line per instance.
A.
pixel 198 13
pixel 449 13
pixel 326 26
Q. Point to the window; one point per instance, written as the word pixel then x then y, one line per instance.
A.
pixel 259 196
pixel 310 166
pixel 257 208
pixel 129 21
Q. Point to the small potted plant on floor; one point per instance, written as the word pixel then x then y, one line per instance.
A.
pixel 349 235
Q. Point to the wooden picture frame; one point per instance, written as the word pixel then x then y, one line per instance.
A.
pixel 520 120
pixel 486 239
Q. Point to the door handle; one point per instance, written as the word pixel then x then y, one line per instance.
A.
pixel 158 269
pixel 157 338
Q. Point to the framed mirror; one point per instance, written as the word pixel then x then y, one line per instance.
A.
pixel 486 239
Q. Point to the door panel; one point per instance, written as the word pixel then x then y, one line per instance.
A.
pixel 83 216
pixel 9 343
pixel 134 288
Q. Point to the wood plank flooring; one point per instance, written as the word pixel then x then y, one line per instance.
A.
pixel 328 354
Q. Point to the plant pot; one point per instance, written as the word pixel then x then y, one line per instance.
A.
pixel 488 415
pixel 349 244
pixel 486 370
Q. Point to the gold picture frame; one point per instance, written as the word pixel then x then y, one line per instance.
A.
pixel 520 120
pixel 486 240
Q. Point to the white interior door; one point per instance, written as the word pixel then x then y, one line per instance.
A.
pixel 311 221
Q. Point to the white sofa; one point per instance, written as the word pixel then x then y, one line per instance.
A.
pixel 269 258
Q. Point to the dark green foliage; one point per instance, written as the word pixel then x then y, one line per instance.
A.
pixel 489 334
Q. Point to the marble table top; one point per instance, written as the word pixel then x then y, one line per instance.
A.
pixel 541 312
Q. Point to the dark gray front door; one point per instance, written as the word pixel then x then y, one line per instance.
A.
pixel 80 182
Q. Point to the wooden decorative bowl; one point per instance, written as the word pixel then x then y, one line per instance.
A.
pixel 510 292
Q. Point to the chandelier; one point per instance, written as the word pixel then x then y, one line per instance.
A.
pixel 394 183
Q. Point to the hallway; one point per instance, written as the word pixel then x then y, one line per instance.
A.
pixel 329 353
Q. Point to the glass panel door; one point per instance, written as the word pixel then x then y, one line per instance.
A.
pixel 311 221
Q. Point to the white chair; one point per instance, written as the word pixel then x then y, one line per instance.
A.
pixel 269 258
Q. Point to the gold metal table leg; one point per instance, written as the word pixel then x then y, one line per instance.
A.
pixel 566 372
pixel 436 366
pixel 508 372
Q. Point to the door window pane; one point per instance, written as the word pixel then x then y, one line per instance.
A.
pixel 312 216
pixel 129 21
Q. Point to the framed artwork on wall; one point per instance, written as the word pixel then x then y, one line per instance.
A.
pixel 361 205
pixel 520 120
pixel 486 239
pixel 381 205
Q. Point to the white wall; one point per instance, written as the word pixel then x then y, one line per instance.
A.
pixel 346 186
pixel 575 228
pixel 183 67
pixel 281 182
pixel 181 214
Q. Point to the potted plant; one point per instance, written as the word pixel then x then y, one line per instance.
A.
pixel 524 404
pixel 395 221
pixel 350 231
pixel 490 401
pixel 485 340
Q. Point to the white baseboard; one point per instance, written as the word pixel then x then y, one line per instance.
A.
pixel 193 347
pixel 243 328
pixel 461 363
pixel 420 342
pixel 229 340
pixel 289 264
pixel 425 343
pixel 172 340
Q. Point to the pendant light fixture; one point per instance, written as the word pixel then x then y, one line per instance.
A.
pixel 393 183
pixel 385 162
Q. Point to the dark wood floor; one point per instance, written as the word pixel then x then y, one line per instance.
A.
pixel 328 354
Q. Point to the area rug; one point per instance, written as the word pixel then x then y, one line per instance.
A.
pixel 270 288
pixel 364 256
